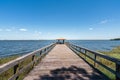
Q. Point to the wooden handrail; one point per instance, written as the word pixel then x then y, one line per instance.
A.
pixel 15 63
pixel 85 52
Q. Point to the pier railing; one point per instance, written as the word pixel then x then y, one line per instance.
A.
pixel 18 68
pixel 107 65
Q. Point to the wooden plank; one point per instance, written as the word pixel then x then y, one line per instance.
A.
pixel 12 63
pixel 78 49
pixel 98 54
pixel 98 62
pixel 63 64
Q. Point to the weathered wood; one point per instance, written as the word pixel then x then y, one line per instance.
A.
pixel 117 71
pixel 16 67
pixel 15 63
pixel 97 54
pixel 20 71
pixel 95 61
pixel 61 63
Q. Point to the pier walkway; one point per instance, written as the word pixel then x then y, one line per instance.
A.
pixel 61 63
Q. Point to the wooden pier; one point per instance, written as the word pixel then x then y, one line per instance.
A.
pixel 62 63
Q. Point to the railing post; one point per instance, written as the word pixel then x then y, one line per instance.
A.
pixel 94 60
pixel 80 50
pixel 15 71
pixel 45 51
pixel 33 57
pixel 40 52
pixel 117 70
pixel 85 54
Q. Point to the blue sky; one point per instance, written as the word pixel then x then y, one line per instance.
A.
pixel 51 19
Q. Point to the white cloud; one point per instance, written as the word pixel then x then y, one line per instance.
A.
pixel 22 29
pixel 104 21
pixel 8 30
pixel 90 28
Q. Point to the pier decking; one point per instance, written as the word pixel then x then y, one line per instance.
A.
pixel 61 63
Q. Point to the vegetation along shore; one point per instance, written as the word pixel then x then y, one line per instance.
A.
pixel 115 52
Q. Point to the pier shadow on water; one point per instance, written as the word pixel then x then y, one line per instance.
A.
pixel 71 73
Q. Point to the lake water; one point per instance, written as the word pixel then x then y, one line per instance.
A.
pixel 14 47
pixel 103 45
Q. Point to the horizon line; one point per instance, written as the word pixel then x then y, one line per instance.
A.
pixel 53 39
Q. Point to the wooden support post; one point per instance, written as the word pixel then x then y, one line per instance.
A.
pixel 40 52
pixel 94 60
pixel 85 54
pixel 16 70
pixel 80 50
pixel 39 57
pixel 117 71
pixel 33 57
pixel 45 50
pixel 63 41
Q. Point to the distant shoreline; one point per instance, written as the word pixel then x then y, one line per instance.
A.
pixel 55 39
pixel 115 39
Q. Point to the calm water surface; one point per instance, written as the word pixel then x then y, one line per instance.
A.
pixel 96 45
pixel 15 47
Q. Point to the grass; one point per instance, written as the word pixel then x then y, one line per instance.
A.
pixel 7 59
pixel 7 74
pixel 115 52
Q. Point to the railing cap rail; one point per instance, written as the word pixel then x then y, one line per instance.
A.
pixel 14 62
pixel 100 54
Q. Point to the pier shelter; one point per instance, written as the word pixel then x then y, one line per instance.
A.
pixel 60 40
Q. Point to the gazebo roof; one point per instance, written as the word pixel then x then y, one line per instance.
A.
pixel 60 39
